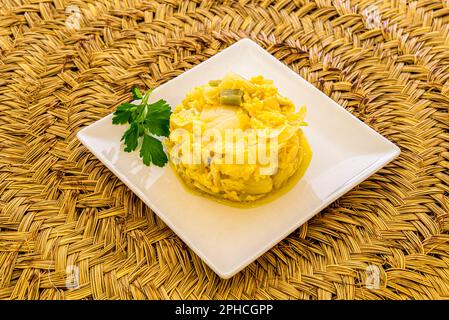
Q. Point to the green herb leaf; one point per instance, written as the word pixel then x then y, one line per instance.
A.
pixel 124 113
pixel 145 119
pixel 131 137
pixel 152 151
pixel 136 93
pixel 158 118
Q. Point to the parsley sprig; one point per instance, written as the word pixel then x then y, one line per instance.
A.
pixel 147 120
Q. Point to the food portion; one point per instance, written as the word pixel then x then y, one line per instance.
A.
pixel 237 140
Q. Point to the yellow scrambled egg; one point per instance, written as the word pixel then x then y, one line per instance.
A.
pixel 249 118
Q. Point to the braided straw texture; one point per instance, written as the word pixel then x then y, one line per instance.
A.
pixel 63 215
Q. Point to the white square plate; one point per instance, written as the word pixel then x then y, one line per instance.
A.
pixel 345 152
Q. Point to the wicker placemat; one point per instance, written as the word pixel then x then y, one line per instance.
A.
pixel 70 229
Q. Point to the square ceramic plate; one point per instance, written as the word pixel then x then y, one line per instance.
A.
pixel 345 152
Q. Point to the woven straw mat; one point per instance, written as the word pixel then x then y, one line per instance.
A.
pixel 64 65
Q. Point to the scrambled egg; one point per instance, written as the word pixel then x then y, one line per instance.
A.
pixel 249 118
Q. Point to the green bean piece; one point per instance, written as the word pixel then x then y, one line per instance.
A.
pixel 232 97
pixel 214 83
